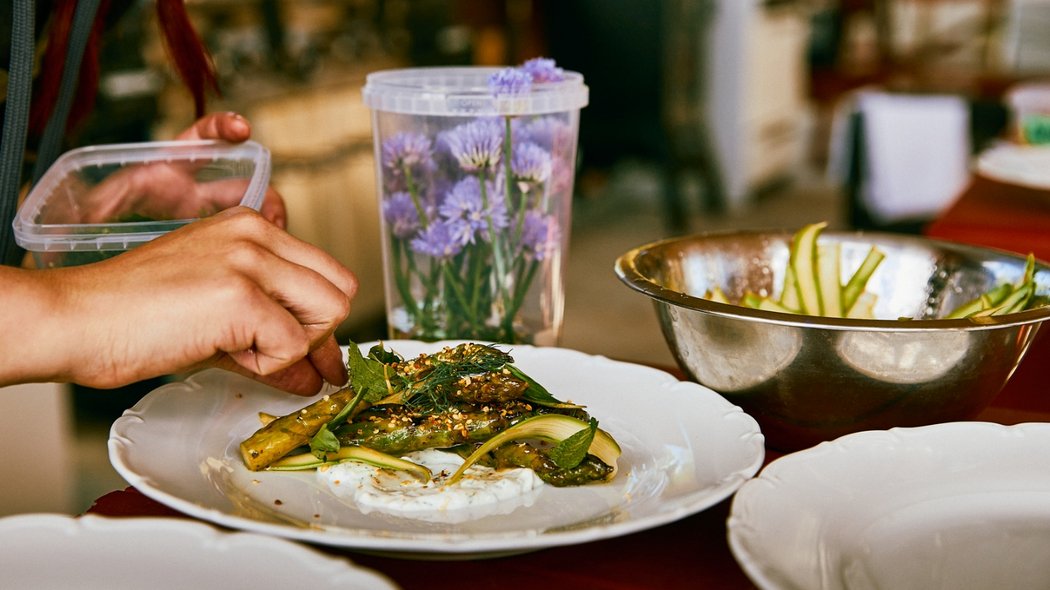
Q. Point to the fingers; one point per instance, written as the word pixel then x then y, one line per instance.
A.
pixel 305 376
pixel 273 209
pixel 289 355
pixel 231 290
pixel 316 303
pixel 313 292
pixel 327 359
pixel 211 197
pixel 235 128
pixel 226 126
pixel 246 224
pixel 301 378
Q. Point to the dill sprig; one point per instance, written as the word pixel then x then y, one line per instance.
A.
pixel 434 377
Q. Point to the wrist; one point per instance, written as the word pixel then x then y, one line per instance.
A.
pixel 31 331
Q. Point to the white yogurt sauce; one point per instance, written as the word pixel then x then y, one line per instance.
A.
pixel 481 492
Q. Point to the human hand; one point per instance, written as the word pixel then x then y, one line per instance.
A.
pixel 230 290
pixel 234 128
pixel 170 189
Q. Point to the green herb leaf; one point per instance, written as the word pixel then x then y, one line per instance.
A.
pixel 573 450
pixel 537 393
pixel 367 375
pixel 383 355
pixel 368 379
pixel 323 442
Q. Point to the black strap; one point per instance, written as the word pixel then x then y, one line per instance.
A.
pixel 16 119
pixel 16 116
pixel 51 142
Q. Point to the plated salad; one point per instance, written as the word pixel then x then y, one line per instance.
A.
pixel 469 403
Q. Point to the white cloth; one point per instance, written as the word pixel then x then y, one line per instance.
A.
pixel 917 151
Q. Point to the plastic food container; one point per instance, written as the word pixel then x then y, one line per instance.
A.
pixel 96 202
pixel 1030 112
pixel 493 151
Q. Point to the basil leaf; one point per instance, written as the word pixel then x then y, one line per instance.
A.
pixel 383 355
pixel 573 450
pixel 323 442
pixel 367 375
pixel 368 379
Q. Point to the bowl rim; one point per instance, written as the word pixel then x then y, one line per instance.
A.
pixel 627 271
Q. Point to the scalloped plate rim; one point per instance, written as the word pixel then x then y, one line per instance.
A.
pixel 749 442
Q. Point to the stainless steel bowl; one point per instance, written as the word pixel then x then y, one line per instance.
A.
pixel 806 378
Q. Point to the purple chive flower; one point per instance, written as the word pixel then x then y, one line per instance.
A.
pixel 437 240
pixel 510 81
pixel 497 205
pixel 408 150
pixel 547 131
pixel 465 209
pixel 476 145
pixel 539 235
pixel 555 133
pixel 531 163
pixel 542 69
pixel 461 231
pixel 400 213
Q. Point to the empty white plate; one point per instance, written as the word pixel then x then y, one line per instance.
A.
pixel 43 551
pixel 1023 165
pixel 958 505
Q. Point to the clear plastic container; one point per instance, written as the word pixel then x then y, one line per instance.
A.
pixel 98 201
pixel 475 184
pixel 459 92
pixel 1029 104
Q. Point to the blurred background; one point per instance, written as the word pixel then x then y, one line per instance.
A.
pixel 703 115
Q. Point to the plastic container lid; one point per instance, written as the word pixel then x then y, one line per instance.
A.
pixel 52 218
pixel 465 92
pixel 1030 96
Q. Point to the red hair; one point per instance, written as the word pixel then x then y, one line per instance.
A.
pixel 187 51
pixel 184 46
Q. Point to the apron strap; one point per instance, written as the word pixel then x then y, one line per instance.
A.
pixel 16 116
pixel 51 142
pixel 16 120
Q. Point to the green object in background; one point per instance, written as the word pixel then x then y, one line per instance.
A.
pixel 1035 129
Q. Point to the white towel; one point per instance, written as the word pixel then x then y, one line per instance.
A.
pixel 917 154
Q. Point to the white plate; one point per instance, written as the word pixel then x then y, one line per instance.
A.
pixel 684 449
pixel 1023 165
pixel 43 551
pixel 957 505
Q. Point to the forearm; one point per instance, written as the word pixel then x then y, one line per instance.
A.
pixel 31 331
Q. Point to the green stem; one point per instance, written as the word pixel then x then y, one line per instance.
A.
pixel 429 322
pixel 413 192
pixel 401 280
pixel 508 168
pixel 521 288
pixel 475 265
pixel 452 281
pixel 497 241
pixel 523 198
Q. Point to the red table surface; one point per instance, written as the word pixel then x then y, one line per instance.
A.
pixel 689 553
pixel 1014 218
pixel 694 552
